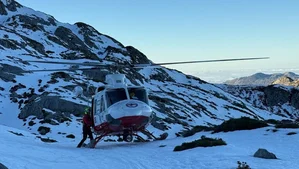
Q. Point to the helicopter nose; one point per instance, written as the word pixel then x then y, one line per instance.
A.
pixel 129 108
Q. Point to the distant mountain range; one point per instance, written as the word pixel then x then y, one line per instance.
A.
pixel 261 79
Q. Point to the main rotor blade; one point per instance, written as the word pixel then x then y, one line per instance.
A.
pixel 68 63
pixel 133 66
pixel 199 61
pixel 56 70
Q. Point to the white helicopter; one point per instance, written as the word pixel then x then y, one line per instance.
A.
pixel 119 109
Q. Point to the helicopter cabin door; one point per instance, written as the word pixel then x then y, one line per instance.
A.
pixel 100 107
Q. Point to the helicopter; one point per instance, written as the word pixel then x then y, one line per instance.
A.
pixel 119 109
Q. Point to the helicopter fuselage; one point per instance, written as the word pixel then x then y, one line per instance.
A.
pixel 121 110
pixel 130 115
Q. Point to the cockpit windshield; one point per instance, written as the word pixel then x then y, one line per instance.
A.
pixel 138 94
pixel 115 95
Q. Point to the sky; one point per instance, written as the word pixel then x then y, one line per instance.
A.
pixel 175 30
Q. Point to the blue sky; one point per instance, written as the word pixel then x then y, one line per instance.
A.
pixel 176 30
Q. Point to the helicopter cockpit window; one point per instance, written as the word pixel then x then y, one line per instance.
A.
pixel 115 95
pixel 138 94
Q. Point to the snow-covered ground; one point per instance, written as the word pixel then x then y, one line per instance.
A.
pixel 28 152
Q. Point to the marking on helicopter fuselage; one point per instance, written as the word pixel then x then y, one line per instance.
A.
pixel 132 105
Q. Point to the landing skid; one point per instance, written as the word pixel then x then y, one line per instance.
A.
pixel 97 139
pixel 141 139
pixel 151 136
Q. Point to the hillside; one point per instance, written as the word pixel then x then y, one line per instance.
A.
pixel 31 100
pixel 279 99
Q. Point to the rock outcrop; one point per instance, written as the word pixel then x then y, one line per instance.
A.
pixel 280 100
pixel 63 108
pixel 263 153
pixel 286 81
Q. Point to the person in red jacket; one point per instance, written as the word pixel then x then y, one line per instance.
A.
pixel 87 123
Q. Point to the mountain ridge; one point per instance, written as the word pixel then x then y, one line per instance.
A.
pixel 287 81
pixel 46 99
pixel 261 79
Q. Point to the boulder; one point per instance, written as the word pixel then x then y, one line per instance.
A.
pixel 43 130
pixel 263 153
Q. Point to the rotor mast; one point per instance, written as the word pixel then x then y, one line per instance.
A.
pixel 116 80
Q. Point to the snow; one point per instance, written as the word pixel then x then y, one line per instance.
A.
pixel 185 95
pixel 19 152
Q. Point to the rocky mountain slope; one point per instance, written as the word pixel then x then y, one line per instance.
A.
pixel 281 100
pixel 44 103
pixel 261 79
pixel 286 81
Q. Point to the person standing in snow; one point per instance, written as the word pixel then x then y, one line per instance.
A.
pixel 87 123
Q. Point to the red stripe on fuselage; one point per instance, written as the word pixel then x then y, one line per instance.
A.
pixel 134 123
